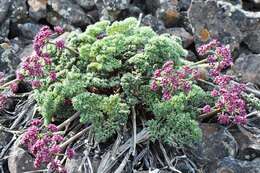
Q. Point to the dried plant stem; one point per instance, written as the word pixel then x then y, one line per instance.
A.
pixel 208 115
pixel 73 117
pixel 134 130
pixel 8 83
pixel 36 171
pixel 171 167
pixel 123 163
pixel 75 137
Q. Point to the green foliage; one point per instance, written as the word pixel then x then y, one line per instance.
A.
pixel 111 74
pixel 252 101
pixel 175 119
pixel 51 100
pixel 106 114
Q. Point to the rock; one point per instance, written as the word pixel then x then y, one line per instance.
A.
pixel 86 4
pixel 247 66
pixel 222 20
pixel 70 11
pixel 79 161
pixel 184 5
pixel 4 28
pixel 111 9
pixel 20 160
pixel 55 19
pixel 191 56
pixel 249 143
pixel 4 139
pixel 73 165
pixel 38 9
pixel 8 55
pixel 19 11
pixel 255 2
pixel 152 7
pixel 231 165
pixel 187 38
pixel 253 41
pixel 153 22
pixel 29 30
pixel 4 7
pixel 133 11
pixel 26 51
pixel 168 12
pixel 216 144
pixel 115 5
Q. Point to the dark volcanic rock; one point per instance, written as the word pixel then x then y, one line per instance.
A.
pixel 4 7
pixel 9 59
pixel 86 4
pixel 20 160
pixel 187 38
pixel 248 141
pixel 224 21
pixel 29 30
pixel 253 41
pixel 38 9
pixel 231 165
pixel 70 11
pixel 152 7
pixel 111 9
pixel 168 12
pixel 150 20
pixel 4 28
pixel 248 67
pixel 217 143
pixel 75 165
pixel 55 19
pixel 19 11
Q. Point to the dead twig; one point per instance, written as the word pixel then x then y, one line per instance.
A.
pixel 123 163
pixel 171 167
pixel 134 129
pixel 107 163
pixel 37 171
pixel 73 138
pixel 73 117
pixel 208 115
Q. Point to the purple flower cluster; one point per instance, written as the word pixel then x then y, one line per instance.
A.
pixel 34 66
pixel 3 100
pixel 14 87
pixel 202 50
pixel 230 102
pixel 171 80
pixel 40 39
pixel 59 30
pixel 44 144
pixel 60 44
pixel 53 75
pixel 219 56
pixel 19 76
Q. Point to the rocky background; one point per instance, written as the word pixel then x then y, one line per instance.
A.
pixel 233 22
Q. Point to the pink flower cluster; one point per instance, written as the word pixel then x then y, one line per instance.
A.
pixel 14 87
pixel 44 144
pixel 3 100
pixel 202 50
pixel 219 56
pixel 35 65
pixel 230 102
pixel 171 80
